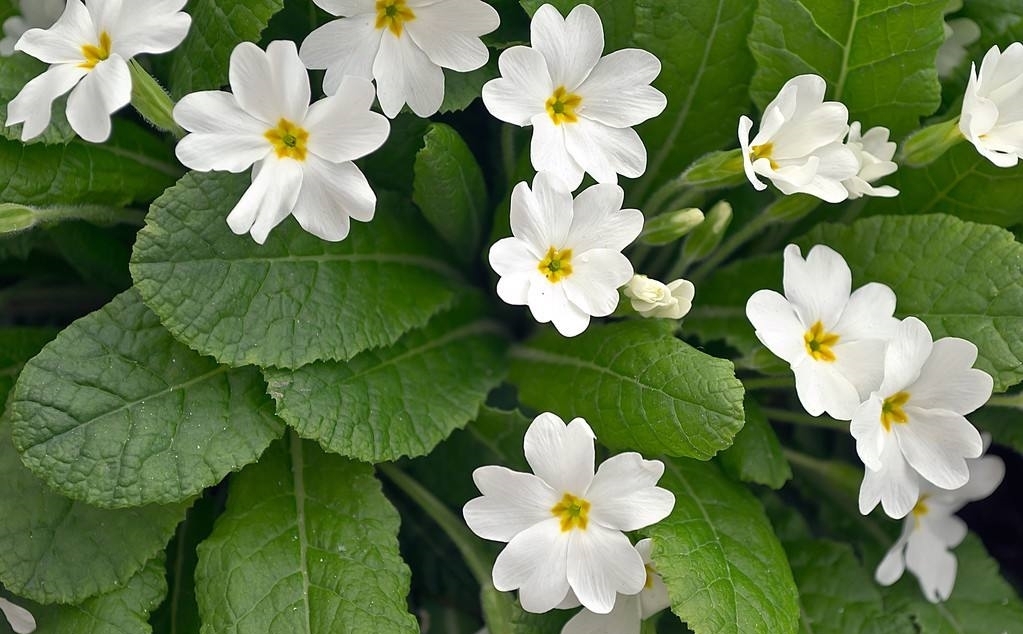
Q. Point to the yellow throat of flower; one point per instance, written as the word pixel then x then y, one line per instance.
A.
pixel 392 15
pixel 892 412
pixel 763 151
pixel 556 265
pixel 561 106
pixel 920 509
pixel 819 342
pixel 574 512
pixel 94 54
pixel 288 140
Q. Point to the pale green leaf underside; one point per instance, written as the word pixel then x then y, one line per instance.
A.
pixel 756 455
pixel 291 301
pixel 725 570
pixel 637 385
pixel 117 413
pixel 307 546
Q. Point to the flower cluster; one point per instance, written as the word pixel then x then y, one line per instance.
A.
pixel 564 527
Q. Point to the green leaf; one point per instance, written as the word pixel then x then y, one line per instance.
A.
pixel 756 455
pixel 461 89
pixel 116 412
pixel 725 571
pixel 378 406
pixel 392 166
pixel 16 71
pixel 637 385
pixel 56 549
pixel 962 279
pixel 1004 424
pixel 201 61
pixel 291 301
pixel 18 345
pixel 450 191
pixel 877 56
pixel 307 545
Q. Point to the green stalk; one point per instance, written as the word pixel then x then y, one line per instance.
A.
pixel 152 101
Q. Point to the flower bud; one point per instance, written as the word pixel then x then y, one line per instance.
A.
pixel 707 236
pixel 668 227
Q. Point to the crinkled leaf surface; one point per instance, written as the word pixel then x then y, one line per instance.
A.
pixel 18 345
pixel 725 570
pixel 401 400
pixel 295 299
pixel 16 71
pixel 756 455
pixel 877 56
pixel 117 413
pixel 637 385
pixel 56 549
pixel 307 545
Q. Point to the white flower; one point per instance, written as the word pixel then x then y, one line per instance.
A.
pixel 301 155
pixel 873 154
pixel 582 106
pixel 35 14
pixel 914 422
pixel 565 258
pixel 651 298
pixel 20 619
pixel 932 529
pixel 87 50
pixel 564 525
pixel 403 44
pixel 630 610
pixel 833 340
pixel 992 119
pixel 959 33
pixel 799 144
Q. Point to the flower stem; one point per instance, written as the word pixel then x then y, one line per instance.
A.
pixel 730 245
pixel 15 218
pixel 152 101
pixel 786 416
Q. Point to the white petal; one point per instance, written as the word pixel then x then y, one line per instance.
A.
pixel 599 222
pixel 448 32
pixel 523 88
pixel 896 485
pixel 868 313
pixel 536 563
pixel 861 363
pixel 331 194
pixel 936 444
pixel 822 388
pixel 571 45
pixel 602 563
pixel 570 320
pixel 154 27
pixel 604 152
pixel 61 43
pixel 224 137
pixel 549 153
pixel 905 355
pixel 33 105
pixel 871 437
pixel 624 495
pixel 405 74
pixel 347 7
pixel 547 300
pixel 745 125
pixel 933 565
pixel 809 131
pixel 511 503
pixel 105 90
pixel 818 286
pixel 342 127
pixel 947 528
pixel 269 199
pixel 216 112
pixel 512 256
pixel 20 619
pixel 618 92
pixel 290 80
pixel 894 563
pixel 947 381
pixel 624 618
pixel 986 474
pixel 541 216
pixel 777 325
pixel 252 83
pixel 562 455
pixel 596 276
pixel 344 47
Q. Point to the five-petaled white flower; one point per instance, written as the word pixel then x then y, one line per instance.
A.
pixel 799 144
pixel 301 154
pixel 565 258
pixel 87 49
pixel 652 298
pixel 630 610
pixel 874 154
pixel 564 525
pixel 35 14
pixel 402 44
pixel 834 340
pixel 582 106
pixel 992 118
pixel 914 422
pixel 20 619
pixel 932 529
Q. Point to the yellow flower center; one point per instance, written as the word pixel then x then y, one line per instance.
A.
pixel 561 106
pixel 288 139
pixel 919 509
pixel 95 54
pixel 392 15
pixel 763 151
pixel 819 342
pixel 892 412
pixel 556 265
pixel 650 572
pixel 573 512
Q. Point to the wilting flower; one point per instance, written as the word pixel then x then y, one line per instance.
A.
pixel 992 119
pixel 932 529
pixel 402 44
pixel 582 106
pixel 799 144
pixel 564 524
pixel 874 154
pixel 20 619
pixel 651 298
pixel 35 14
pixel 301 155
pixel 834 340
pixel 564 259
pixel 87 49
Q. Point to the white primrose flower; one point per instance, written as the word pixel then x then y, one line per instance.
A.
pixel 88 49
pixel 630 610
pixel 301 155
pixel 992 116
pixel 564 260
pixel 832 338
pixel 874 154
pixel 20 619
pixel 564 525
pixel 932 529
pixel 651 298
pixel 799 144
pixel 402 44
pixel 914 422
pixel 35 14
pixel 582 106
pixel 959 33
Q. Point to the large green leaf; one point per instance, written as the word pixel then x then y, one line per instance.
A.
pixel 117 413
pixel 877 56
pixel 725 570
pixel 401 400
pixel 636 384
pixel 307 545
pixel 756 455
pixel 18 345
pixel 16 71
pixel 291 301
pixel 201 61
pixel 962 279
pixel 55 549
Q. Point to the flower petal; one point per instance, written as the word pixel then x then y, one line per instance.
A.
pixel 269 200
pixel 871 437
pixel 986 474
pixel 224 137
pixel 818 286
pixel 62 42
pixel 342 127
pixel 541 216
pixel 868 313
pixel 604 152
pixel 512 256
pixel 511 503
pixel 745 125
pixel 570 45
pixel 777 325
pixel 895 485
pixel 105 90
pixel 523 88
pixel 549 153
pixel 894 563
pixel 947 380
pixel 905 355
pixel 822 388
pixel 624 495
pixel 405 74
pixel 449 32
pixel 331 194
pixel 861 363
pixel 252 83
pixel 33 105
pixel 536 563
pixel 344 47
pixel 157 26
pixel 562 455
pixel 601 564
pixel 624 618
pixel 599 222
pixel 618 92
pixel 290 80
pixel 596 276
pixel 20 619
pixel 933 565
pixel 936 443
